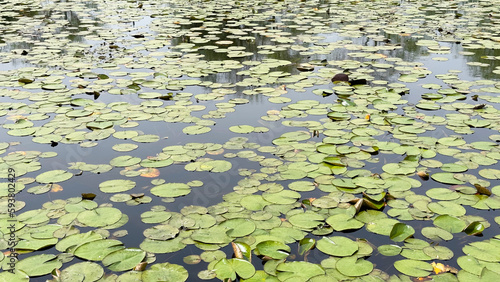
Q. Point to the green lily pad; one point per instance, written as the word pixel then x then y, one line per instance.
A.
pixel 354 266
pixel 165 272
pixel 39 265
pixel 438 252
pixel 97 250
pixel 242 129
pixel 446 177
pixel 305 245
pixel 238 227
pixel 302 269
pixel 124 161
pixel 171 190
pixel 123 259
pixel 83 271
pixel 116 185
pixel 283 197
pixel 273 249
pixel 341 222
pixel 389 250
pixel 450 223
pixel 54 176
pixel 401 231
pixel 474 228
pixel 307 220
pixel 337 246
pixel 436 234
pixel 229 268
pixel 100 217
pixel 413 268
pixel 488 250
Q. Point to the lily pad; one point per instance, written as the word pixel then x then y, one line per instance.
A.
pixel 54 176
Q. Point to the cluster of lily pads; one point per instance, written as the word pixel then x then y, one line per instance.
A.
pixel 346 157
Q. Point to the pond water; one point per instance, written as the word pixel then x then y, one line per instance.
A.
pixel 206 140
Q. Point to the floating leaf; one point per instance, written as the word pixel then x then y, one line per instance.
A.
pixel 354 266
pixel 337 246
pixel 401 231
pixel 229 268
pixel 273 249
pixel 39 265
pixel 54 176
pixel 474 228
pixel 165 272
pixel 123 259
pixel 306 245
pixel 100 217
pixel 83 271
pixel 413 268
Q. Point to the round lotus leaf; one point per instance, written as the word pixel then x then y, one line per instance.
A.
pixel 445 207
pixel 83 271
pixel 192 259
pixel 125 147
pixel 216 166
pixel 196 129
pixel 381 226
pixel 17 275
pixel 273 249
pixel 116 185
pixel 69 243
pixel 337 246
pixel 212 235
pixel 238 227
pixel 126 134
pixel 97 250
pixel 39 265
pixel 438 252
pixel 161 232
pixel 490 173
pixel 488 250
pixel 307 220
pixel 451 141
pixel 450 223
pixel 124 259
pixel 164 246
pixel 446 177
pixel 413 268
pixel 171 190
pixel 354 266
pixel 436 234
pixel 302 186
pixel 442 194
pixel 389 250
pixel 165 272
pixel 124 161
pixel 53 176
pixel 395 168
pixel 283 197
pixel 242 128
pixel 156 162
pixel 301 269
pixel 254 202
pixel 228 268
pixel 341 222
pixel 100 217
pixel 155 216
pixel 293 174
pixel 470 264
pixel 146 138
pixel 44 231
pixel 453 167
